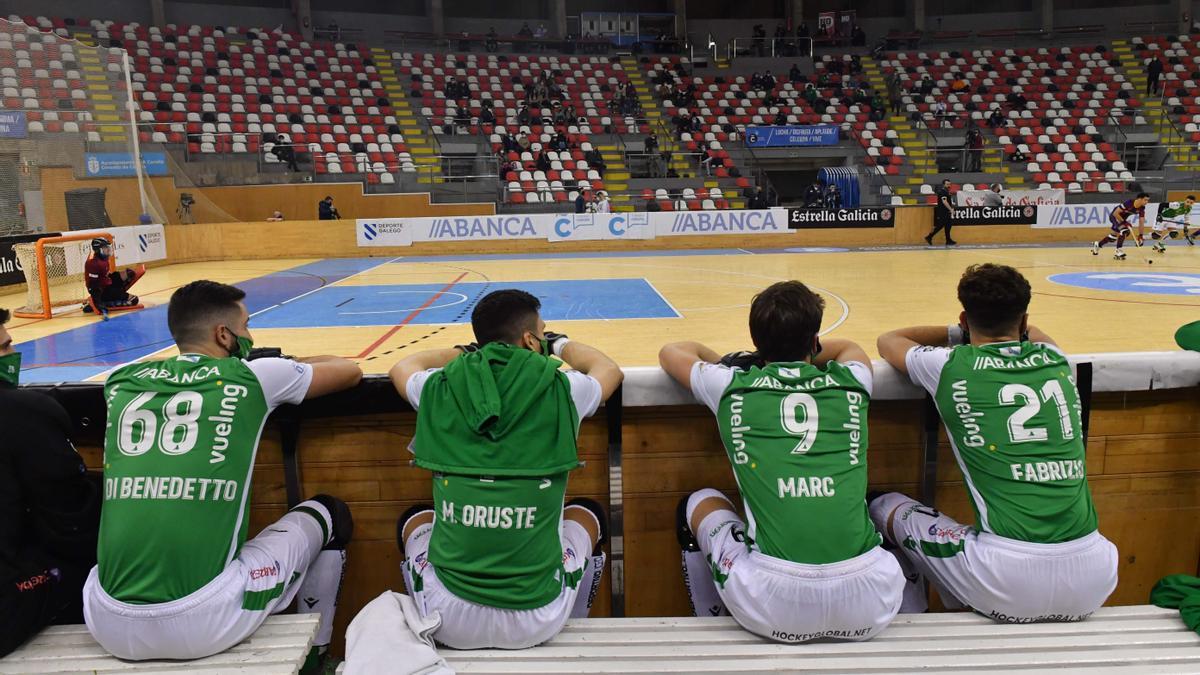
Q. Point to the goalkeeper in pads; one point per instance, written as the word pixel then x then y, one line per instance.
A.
pixel 1173 218
pixel 108 290
pixel 498 554
pixel 806 562
pixel 1005 393
pixel 177 576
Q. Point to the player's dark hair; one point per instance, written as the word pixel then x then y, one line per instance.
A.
pixel 1191 197
pixel 784 319
pixel 995 297
pixel 504 316
pixel 194 309
pixel 1142 195
pixel 3 316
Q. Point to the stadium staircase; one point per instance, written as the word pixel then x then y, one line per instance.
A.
pixel 102 93
pixel 1156 111
pixel 418 136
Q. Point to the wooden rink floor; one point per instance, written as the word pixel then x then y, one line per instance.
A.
pixel 375 310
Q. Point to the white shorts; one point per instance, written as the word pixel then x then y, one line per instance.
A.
pixel 469 625
pixel 792 602
pixel 1003 579
pixel 262 580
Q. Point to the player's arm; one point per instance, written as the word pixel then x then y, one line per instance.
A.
pixel 331 374
pixel 894 345
pixel 677 359
pixel 595 364
pixel 1037 335
pixel 842 351
pixel 415 363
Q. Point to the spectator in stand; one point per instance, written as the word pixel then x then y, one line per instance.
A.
pixel 276 217
pixel 523 143
pixel 581 204
pixel 856 67
pixel 561 117
pixel 595 161
pixel 486 116
pixel 1154 70
pixel 802 30
pixel 959 84
pixel 895 93
pixel 560 142
pixel 1017 100
pixel 781 118
pixel 523 116
pixel 286 152
pixel 974 143
pixel 602 205
pixel 940 115
pixel 794 74
pixel 492 44
pixel 462 118
pixel 543 160
pixel 326 210
pixel 771 196
pixel 814 195
pixel 768 81
pixel 759 46
pixel 682 122
pixel 925 86
pixel 810 93
pixel 997 120
pixel 708 159
pixel 652 205
pixel 858 37
pixel 756 82
pixel 525 31
pixel 651 143
pixel 878 108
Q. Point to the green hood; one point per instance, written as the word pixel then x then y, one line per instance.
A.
pixel 499 411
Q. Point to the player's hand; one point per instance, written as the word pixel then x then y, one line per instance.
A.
pixel 742 360
pixel 552 338
pixel 266 353
pixel 468 348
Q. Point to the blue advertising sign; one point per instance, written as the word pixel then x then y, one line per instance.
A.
pixel 109 164
pixel 791 136
pixel 12 124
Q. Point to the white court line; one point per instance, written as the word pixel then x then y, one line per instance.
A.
pixel 841 319
pixel 461 299
pixel 662 297
pixel 106 373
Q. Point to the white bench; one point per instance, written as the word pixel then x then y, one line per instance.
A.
pixel 279 646
pixel 1138 639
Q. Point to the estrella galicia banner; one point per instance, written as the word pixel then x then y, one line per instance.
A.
pixel 804 219
pixel 994 215
pixel 112 164
pixel 10 267
pixel 791 136
pixel 12 124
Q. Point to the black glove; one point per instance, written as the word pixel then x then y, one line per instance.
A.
pixel 266 353
pixel 742 360
pixel 551 338
pixel 467 349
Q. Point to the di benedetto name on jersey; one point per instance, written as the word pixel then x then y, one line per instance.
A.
pixel 1013 415
pixel 796 435
pixel 179 449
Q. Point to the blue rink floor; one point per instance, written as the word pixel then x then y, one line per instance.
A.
pixel 306 297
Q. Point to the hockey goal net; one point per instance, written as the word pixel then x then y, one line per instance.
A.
pixel 53 268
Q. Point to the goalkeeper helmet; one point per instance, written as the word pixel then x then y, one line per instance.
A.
pixel 99 244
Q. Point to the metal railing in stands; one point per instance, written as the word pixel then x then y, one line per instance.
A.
pixel 769 47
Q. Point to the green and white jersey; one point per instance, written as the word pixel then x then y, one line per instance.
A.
pixel 179 449
pixel 1012 414
pixel 796 435
pixel 1175 210
pixel 497 540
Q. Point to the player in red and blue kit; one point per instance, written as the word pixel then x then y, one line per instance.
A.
pixel 1120 226
pixel 108 290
